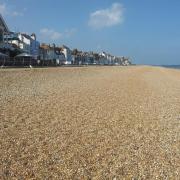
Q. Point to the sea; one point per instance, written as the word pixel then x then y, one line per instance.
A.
pixel 171 66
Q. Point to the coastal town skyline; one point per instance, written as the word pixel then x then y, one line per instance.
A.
pixel 22 49
pixel 148 32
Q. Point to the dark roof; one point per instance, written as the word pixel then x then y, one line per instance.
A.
pixel 26 36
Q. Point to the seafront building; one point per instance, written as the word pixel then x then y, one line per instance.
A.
pixel 3 29
pixel 51 53
pixel 83 58
pixel 68 54
pixel 61 55
pixel 26 43
pixel 18 44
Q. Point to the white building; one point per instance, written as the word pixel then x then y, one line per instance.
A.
pixel 68 54
pixel 26 43
pixel 18 40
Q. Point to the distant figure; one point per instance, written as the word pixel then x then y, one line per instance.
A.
pixel 30 66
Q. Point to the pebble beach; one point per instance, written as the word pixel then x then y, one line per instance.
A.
pixel 90 123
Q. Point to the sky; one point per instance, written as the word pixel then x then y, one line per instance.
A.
pixel 147 31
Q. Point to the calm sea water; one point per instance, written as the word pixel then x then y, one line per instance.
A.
pixel 172 66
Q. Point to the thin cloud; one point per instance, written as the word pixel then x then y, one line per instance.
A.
pixel 50 33
pixel 107 17
pixel 69 32
pixel 15 13
pixel 7 11
pixel 3 9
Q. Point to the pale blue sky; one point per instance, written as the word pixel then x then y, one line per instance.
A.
pixel 146 30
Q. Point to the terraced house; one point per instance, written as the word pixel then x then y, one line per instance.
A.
pixel 51 53
pixel 13 44
pixel 26 43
